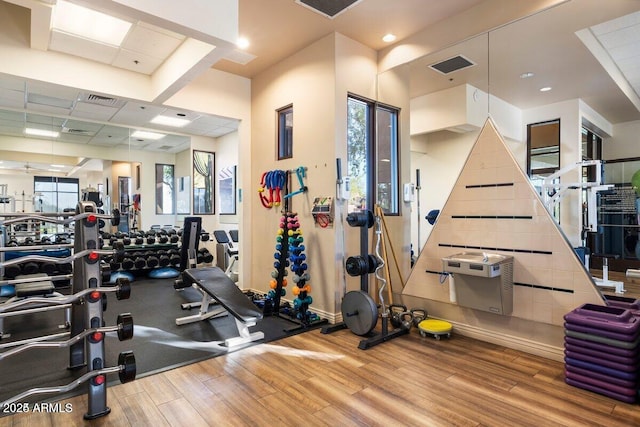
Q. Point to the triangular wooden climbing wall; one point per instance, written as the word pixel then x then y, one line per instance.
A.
pixel 494 208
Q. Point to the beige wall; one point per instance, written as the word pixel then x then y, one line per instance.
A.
pixel 307 81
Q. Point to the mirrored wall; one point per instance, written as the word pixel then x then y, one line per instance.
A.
pixel 554 66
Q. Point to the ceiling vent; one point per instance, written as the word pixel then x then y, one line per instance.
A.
pixel 92 98
pixel 77 131
pixel 328 8
pixel 450 65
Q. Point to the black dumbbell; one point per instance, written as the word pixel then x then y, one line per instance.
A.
pixel 152 261
pixel 164 260
pixel 30 268
pixel 127 263
pixel 139 263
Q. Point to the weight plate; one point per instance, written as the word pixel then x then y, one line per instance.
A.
pixel 359 312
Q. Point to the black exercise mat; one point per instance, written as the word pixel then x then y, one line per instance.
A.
pixel 158 343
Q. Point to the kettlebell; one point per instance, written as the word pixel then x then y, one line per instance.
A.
pixel 396 314
pixel 406 320
pixel 418 315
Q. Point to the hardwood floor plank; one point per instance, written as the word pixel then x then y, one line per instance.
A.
pixel 406 413
pixel 510 407
pixel 140 410
pixel 158 387
pixel 186 384
pixel 582 411
pixel 248 409
pixel 180 413
pixel 292 412
pixel 217 412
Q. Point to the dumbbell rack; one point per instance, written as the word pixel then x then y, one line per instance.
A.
pixel 157 248
pixel 86 344
pixel 289 253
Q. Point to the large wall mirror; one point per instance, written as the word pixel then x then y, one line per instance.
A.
pixel 566 62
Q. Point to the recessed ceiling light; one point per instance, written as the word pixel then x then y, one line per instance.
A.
pixel 147 135
pixel 545 89
pixel 170 121
pixel 57 166
pixel 90 24
pixel 526 75
pixel 42 132
pixel 388 38
pixel 242 43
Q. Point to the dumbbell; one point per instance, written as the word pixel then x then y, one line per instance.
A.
pixel 151 240
pixel 175 259
pixel 207 257
pixel 174 238
pixel 152 261
pixel 127 263
pixel 11 271
pixel 47 268
pixel 139 262
pixel 30 268
pixel 163 239
pixel 164 260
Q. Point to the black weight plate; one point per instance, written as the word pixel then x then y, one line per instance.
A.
pixel 359 312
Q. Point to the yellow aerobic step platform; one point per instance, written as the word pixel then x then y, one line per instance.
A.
pixel 435 327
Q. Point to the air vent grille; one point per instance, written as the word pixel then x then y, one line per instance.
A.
pixel 92 98
pixel 76 131
pixel 328 8
pixel 450 65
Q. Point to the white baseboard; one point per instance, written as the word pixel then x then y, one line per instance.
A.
pixel 510 341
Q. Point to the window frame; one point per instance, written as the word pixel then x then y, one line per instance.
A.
pixel 285 132
pixel 372 146
pixel 160 202
pixel 56 180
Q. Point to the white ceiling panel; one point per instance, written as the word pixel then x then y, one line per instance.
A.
pixel 44 119
pixel 61 92
pixel 12 115
pixel 66 43
pixel 137 113
pixel 11 98
pixel 47 109
pixel 136 61
pixel 94 111
pixel 75 139
pixel 12 83
pixel 154 43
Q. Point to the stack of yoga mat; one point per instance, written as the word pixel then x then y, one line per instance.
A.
pixel 602 349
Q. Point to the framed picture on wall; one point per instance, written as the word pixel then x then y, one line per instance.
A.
pixel 227 190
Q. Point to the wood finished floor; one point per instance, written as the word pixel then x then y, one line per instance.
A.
pixel 325 380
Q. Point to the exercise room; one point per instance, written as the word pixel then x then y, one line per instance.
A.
pixel 298 212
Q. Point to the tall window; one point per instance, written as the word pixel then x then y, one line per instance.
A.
pixel 285 132
pixel 55 194
pixel 372 155
pixel 543 148
pixel 165 184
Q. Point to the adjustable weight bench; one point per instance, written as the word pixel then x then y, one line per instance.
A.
pixel 217 287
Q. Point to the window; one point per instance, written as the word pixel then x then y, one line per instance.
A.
pixel 543 148
pixel 372 155
pixel 55 194
pixel 165 183
pixel 203 182
pixel 285 132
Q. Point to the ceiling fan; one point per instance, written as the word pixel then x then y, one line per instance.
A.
pixel 30 168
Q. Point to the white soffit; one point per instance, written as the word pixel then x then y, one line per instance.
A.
pixel 615 45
